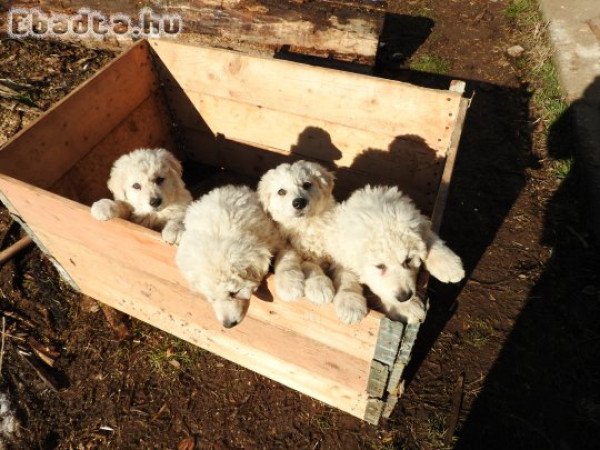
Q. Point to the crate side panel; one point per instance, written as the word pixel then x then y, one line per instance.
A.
pixel 146 127
pixel 115 277
pixel 285 131
pixel 71 128
pixel 353 100
pixel 409 166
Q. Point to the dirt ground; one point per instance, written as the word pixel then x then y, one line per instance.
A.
pixel 521 331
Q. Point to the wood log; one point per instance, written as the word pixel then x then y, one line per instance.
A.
pixel 343 29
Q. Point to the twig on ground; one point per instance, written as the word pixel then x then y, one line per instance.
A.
pixel 11 251
pixel 2 345
pixel 578 236
pixel 40 369
pixel 457 396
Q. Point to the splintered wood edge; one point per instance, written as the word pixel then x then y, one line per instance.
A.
pixel 388 341
pixel 385 355
pixel 17 218
pixel 378 379
pixel 374 410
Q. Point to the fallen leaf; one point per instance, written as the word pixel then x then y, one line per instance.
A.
pixel 187 444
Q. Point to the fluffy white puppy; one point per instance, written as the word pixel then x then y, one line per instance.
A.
pixel 226 249
pixel 379 235
pixel 147 188
pixel 299 198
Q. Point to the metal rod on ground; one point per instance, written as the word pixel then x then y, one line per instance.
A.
pixel 11 251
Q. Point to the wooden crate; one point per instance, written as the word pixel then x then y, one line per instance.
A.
pixel 245 114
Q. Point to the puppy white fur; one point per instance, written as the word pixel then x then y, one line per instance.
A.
pixel 381 237
pixel 147 188
pixel 226 249
pixel 299 198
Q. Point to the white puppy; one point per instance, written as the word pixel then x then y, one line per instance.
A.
pixel 226 249
pixel 379 235
pixel 147 188
pixel 299 198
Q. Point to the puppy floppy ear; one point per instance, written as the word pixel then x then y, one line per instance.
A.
pixel 265 186
pixel 116 180
pixel 441 262
pixel 171 162
pixel 325 178
pixel 255 266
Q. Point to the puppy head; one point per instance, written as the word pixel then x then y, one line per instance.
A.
pixel 231 276
pixel 148 179
pixel 391 264
pixel 301 189
pixel 391 241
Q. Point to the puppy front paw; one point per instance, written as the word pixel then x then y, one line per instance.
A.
pixel 319 289
pixel 289 285
pixel 409 312
pixel 105 209
pixel 450 272
pixel 172 232
pixel 350 307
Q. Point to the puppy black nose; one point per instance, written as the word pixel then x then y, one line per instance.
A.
pixel 299 203
pixel 156 201
pixel 231 324
pixel 404 296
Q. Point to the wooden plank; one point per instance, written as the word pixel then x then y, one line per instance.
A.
pixel 252 161
pixel 291 132
pixel 457 87
pixel 373 411
pixel 395 377
pixel 147 292
pixel 408 341
pixel 345 30
pixel 147 126
pixel 15 216
pixel 392 401
pixel 378 378
pixel 66 132
pixel 319 322
pixel 388 341
pixel 352 100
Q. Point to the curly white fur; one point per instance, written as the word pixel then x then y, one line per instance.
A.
pixel 299 198
pixel 226 249
pixel 379 235
pixel 147 188
pixel 9 424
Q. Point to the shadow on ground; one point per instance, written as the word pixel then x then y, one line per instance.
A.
pixel 544 389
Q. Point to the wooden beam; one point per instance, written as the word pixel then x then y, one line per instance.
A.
pixel 347 30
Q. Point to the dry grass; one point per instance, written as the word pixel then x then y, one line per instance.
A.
pixel 537 63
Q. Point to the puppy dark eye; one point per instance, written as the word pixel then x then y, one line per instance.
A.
pixel 136 186
pixel 381 267
pixel 407 263
pixel 159 180
pixel 307 185
pixel 282 192
pixel 233 294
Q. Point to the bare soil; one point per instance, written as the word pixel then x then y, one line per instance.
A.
pixel 522 328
